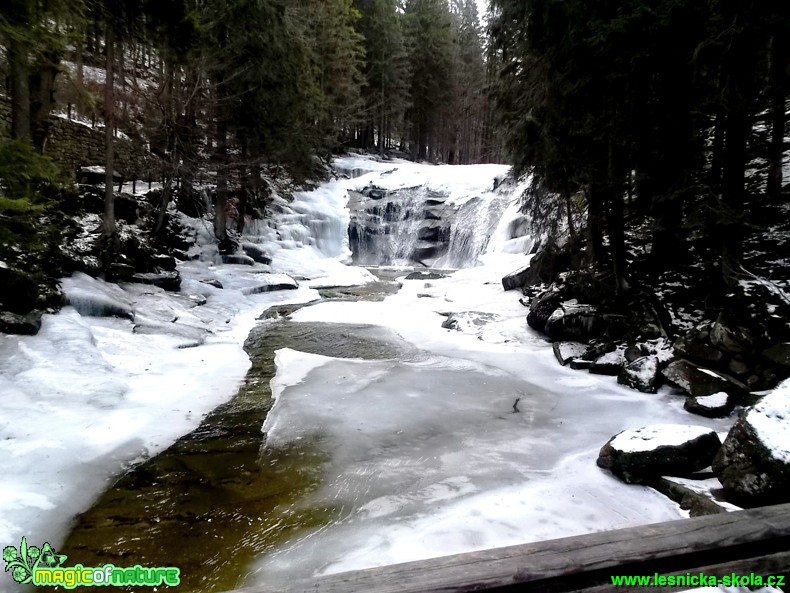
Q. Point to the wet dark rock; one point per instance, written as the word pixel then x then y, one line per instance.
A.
pixel 23 324
pixel 698 381
pixel 542 307
pixel 579 364
pixel 636 456
pixel 214 283
pixel 597 348
pixel 779 354
pixel 642 374
pixel 19 290
pixel 433 232
pixel 753 465
pixel 256 253
pixel 732 339
pixel 573 321
pixel 119 272
pixel 165 262
pixel 716 405
pixel 696 346
pixel 635 351
pixel 242 260
pixel 170 281
pixel 271 283
pixel 568 351
pixel 515 279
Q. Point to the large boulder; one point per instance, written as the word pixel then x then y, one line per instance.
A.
pixel 170 281
pixel 753 465
pixel 610 363
pixel 642 374
pixel 717 405
pixel 14 323
pixel 698 381
pixel 516 279
pixel 542 307
pixel 568 351
pixel 636 456
pixel 573 321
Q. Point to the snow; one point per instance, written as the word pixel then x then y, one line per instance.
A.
pixel 654 436
pixel 771 421
pixel 425 453
pixel 715 400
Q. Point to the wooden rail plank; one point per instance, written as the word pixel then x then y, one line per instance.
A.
pixel 756 540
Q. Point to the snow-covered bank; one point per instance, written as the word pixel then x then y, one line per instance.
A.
pixel 87 396
pixel 428 457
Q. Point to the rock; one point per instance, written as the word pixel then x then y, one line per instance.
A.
pixel 579 364
pixel 730 339
pixel 641 374
pixel 717 405
pixel 272 282
pixel 609 364
pixel 433 231
pixel 635 351
pixel 170 281
pixel 469 322
pixel 598 348
pixel 779 354
pixel 573 321
pixel 243 260
pixel 516 279
pixel 165 262
pixel 256 253
pixel 698 381
pixel 214 283
pixel 15 323
pixel 753 465
pixel 20 290
pixel 542 307
pixel 119 272
pixel 695 345
pixel 93 298
pixel 567 351
pixel 636 456
pixel 426 276
pixel 738 367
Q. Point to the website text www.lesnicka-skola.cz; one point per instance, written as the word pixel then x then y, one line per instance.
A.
pixel 698 580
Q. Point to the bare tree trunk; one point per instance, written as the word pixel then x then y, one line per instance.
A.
pixel 779 59
pixel 108 227
pixel 19 72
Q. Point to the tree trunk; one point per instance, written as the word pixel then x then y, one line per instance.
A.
pixel 109 230
pixel 779 55
pixel 18 73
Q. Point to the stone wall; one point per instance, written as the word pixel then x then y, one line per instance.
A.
pixel 71 144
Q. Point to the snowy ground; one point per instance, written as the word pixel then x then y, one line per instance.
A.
pixel 426 453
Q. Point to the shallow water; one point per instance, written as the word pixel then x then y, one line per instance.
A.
pixel 216 499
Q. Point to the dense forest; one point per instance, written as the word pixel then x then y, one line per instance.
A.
pixel 669 116
pixel 671 111
pixel 225 90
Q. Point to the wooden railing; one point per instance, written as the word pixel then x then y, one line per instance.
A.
pixel 756 542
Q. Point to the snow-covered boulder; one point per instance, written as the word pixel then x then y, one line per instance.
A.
pixel 642 374
pixel 609 364
pixel 568 351
pixel 754 462
pixel 716 405
pixel 635 456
